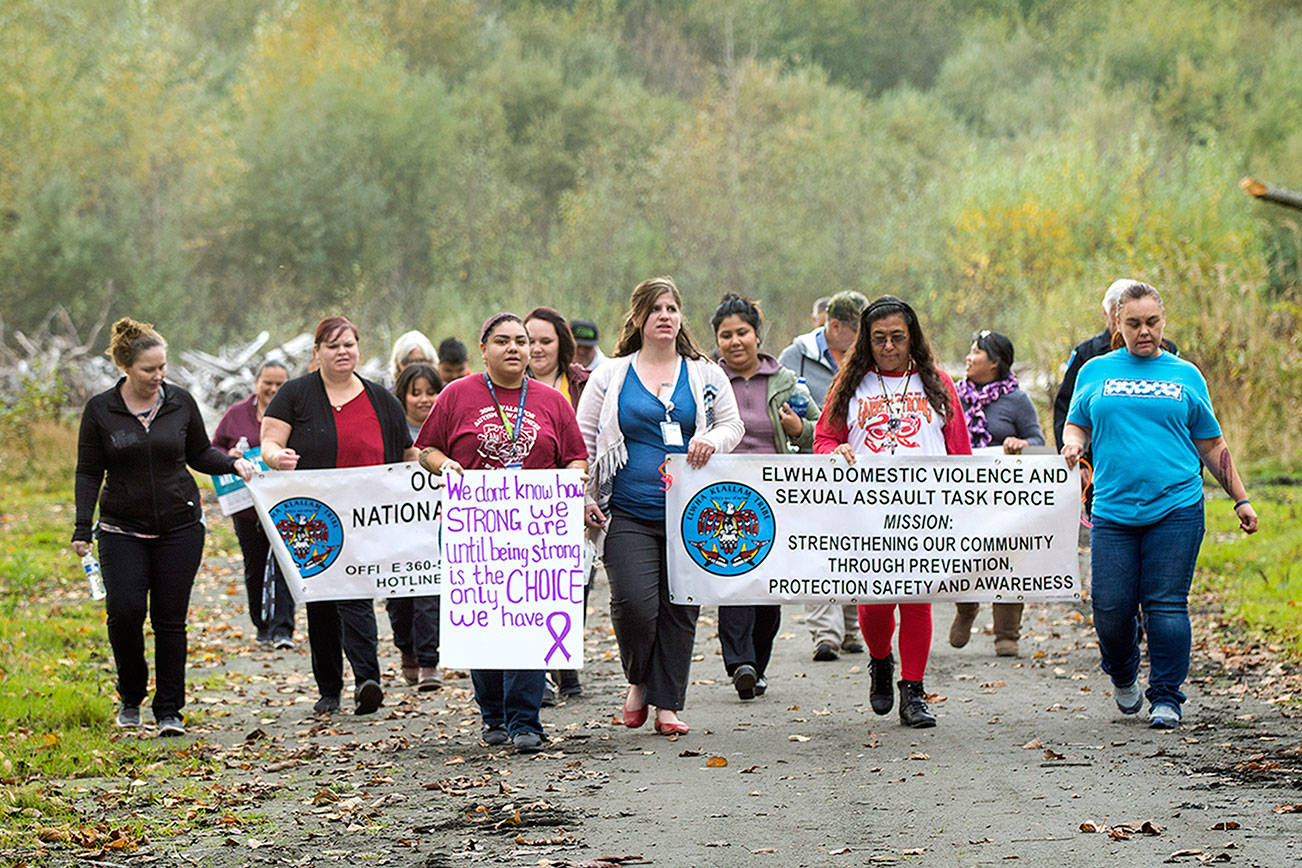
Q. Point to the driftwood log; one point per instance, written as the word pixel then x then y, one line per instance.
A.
pixel 1271 193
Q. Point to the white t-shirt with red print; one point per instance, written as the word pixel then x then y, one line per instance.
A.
pixel 890 414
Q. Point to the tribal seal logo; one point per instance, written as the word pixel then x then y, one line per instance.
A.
pixel 728 528
pixel 311 531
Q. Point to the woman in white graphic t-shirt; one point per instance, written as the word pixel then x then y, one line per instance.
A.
pixel 890 396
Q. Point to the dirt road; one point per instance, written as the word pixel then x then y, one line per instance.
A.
pixel 1026 751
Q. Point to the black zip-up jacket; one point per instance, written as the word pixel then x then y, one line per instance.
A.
pixel 149 490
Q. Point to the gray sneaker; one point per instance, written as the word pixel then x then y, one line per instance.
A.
pixel 170 725
pixel 1129 699
pixel 1163 715
pixel 495 735
pixel 128 717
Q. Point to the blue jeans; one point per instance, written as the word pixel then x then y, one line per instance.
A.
pixel 1150 566
pixel 510 698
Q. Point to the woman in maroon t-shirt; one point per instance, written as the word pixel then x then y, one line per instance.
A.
pixel 493 421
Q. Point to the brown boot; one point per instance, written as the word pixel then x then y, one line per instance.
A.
pixel 1008 624
pixel 961 630
pixel 410 668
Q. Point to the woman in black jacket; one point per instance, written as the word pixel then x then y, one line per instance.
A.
pixel 333 417
pixel 142 433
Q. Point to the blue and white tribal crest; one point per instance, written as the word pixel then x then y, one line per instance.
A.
pixel 728 528
pixel 311 531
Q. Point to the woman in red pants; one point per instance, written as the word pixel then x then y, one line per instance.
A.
pixel 888 398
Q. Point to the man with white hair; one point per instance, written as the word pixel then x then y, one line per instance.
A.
pixel 1096 346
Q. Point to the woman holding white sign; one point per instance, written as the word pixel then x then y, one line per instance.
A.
pixel 659 394
pixel 1001 415
pixel 495 421
pixel 330 418
pixel 891 396
pixel 761 387
pixel 1148 522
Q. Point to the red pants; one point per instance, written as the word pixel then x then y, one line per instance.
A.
pixel 877 623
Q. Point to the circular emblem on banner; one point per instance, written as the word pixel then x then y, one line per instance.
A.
pixel 728 528
pixel 311 531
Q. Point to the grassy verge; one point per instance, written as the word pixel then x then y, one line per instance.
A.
pixel 57 696
pixel 1258 578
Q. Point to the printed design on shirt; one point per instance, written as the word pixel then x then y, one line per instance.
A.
pixel 1130 388
pixel 728 528
pixel 311 531
pixel 495 445
pixel 881 432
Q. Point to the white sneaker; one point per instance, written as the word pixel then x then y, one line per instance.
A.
pixel 1163 715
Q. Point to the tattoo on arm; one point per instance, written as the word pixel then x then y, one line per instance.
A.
pixel 1224 468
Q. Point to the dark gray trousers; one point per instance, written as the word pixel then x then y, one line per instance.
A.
pixel 655 636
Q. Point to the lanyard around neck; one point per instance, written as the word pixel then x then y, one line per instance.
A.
pixel 513 431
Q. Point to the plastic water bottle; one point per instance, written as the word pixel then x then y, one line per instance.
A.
pixel 242 446
pixel 94 577
pixel 799 398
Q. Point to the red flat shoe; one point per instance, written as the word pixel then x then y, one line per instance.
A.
pixel 676 727
pixel 634 719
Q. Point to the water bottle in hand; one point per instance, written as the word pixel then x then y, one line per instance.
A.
pixel 94 578
pixel 799 398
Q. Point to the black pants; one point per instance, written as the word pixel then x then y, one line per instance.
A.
pixel 154 575
pixel 746 634
pixel 655 636
pixel 271 608
pixel 415 623
pixel 336 628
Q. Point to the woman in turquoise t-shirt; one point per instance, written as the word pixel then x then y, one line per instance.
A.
pixel 1150 421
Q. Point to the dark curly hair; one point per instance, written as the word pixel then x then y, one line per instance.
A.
pixel 861 360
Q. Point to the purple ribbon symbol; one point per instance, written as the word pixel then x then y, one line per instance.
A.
pixel 557 640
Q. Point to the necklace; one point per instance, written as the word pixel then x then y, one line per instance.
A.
pixel 894 419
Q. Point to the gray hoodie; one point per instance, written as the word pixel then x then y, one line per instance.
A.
pixel 802 359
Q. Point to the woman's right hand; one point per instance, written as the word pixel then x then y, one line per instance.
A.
pixel 593 517
pixel 846 451
pixel 81 547
pixel 286 459
pixel 1072 452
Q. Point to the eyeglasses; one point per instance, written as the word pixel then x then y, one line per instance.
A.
pixel 894 338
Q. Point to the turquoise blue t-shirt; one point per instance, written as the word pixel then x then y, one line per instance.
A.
pixel 637 484
pixel 1143 414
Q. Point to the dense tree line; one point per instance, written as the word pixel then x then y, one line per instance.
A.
pixel 254 163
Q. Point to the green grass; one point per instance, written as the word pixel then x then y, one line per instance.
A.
pixel 1258 578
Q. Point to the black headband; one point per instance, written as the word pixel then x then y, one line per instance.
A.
pixel 887 305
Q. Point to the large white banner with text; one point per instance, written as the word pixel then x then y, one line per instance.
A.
pixel 515 570
pixel 754 529
pixel 353 532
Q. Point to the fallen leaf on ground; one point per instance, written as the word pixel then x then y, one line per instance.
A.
pixel 1224 826
pixel 716 762
pixel 797 738
pixel 1033 744
pixel 1288 809
pixel 919 756
pixel 1050 754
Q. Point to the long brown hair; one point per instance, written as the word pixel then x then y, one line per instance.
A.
pixel 564 337
pixel 861 360
pixel 639 310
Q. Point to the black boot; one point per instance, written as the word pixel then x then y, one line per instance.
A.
pixel 882 673
pixel 913 708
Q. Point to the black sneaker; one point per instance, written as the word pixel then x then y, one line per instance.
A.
pixel 327 705
pixel 368 697
pixel 128 717
pixel 495 735
pixel 743 678
pixel 761 685
pixel 549 696
pixel 528 742
pixel 825 652
pixel 853 646
pixel 283 642
pixel 170 725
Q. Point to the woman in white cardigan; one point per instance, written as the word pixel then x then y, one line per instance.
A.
pixel 658 395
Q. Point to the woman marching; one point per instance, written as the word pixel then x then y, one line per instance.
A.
pixel 761 387
pixel 142 433
pixel 1148 522
pixel 998 413
pixel 495 421
pixel 415 620
pixel 271 608
pixel 330 418
pixel 892 396
pixel 659 394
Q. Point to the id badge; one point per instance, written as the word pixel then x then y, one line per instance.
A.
pixel 671 433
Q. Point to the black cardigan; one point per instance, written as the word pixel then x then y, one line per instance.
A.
pixel 149 490
pixel 302 404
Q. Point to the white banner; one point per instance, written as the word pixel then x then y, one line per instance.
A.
pixel 754 529
pixel 513 546
pixel 353 532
